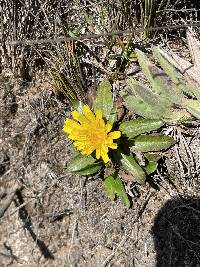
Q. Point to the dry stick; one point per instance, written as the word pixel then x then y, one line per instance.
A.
pixel 176 10
pixel 19 207
pixel 75 225
pixel 8 201
pixel 178 155
pixel 97 36
pixel 188 150
pixel 187 164
pixel 44 12
pixel 109 258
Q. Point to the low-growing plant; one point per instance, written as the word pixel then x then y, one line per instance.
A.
pixel 167 96
pixel 188 75
pixel 124 151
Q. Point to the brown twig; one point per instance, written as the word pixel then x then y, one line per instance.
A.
pixel 97 36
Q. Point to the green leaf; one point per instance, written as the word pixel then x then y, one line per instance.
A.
pixel 80 162
pixel 152 157
pixel 194 111
pixel 113 115
pixel 77 105
pixel 146 68
pixel 177 116
pixel 144 63
pixel 91 169
pixel 138 106
pixel 192 91
pixel 130 165
pixel 143 101
pixel 150 167
pixel 152 164
pixel 167 67
pixel 167 90
pixel 138 126
pixel 159 102
pixel 174 75
pixel 115 186
pixel 146 143
pixel 104 99
pixel 140 90
pixel 193 106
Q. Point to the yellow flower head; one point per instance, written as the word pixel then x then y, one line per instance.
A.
pixel 90 133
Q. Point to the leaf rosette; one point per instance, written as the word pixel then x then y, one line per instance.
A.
pixel 106 144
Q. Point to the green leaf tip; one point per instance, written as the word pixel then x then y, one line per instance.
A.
pixel 147 143
pixel 130 166
pixel 152 163
pixel 84 165
pixel 114 186
pixel 138 126
pixel 104 99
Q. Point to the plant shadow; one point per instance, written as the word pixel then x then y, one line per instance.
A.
pixel 176 233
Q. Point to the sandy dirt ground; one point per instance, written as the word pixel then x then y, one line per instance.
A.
pixel 57 219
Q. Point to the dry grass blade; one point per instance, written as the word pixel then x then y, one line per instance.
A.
pixel 66 71
pixel 191 71
pixel 179 63
pixel 194 45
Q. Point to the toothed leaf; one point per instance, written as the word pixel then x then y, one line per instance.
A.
pixel 130 165
pixel 114 186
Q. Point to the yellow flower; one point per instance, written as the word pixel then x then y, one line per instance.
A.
pixel 90 133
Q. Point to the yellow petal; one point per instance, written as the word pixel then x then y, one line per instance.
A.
pixel 113 146
pixel 90 133
pixel 98 153
pixel 79 117
pixel 99 120
pixel 88 150
pixel 108 127
pixel 88 113
pixel 98 114
pixel 100 124
pixel 104 153
pixel 115 134
pixel 79 145
pixel 70 125
pixel 104 148
pixel 105 157
pixel 76 136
